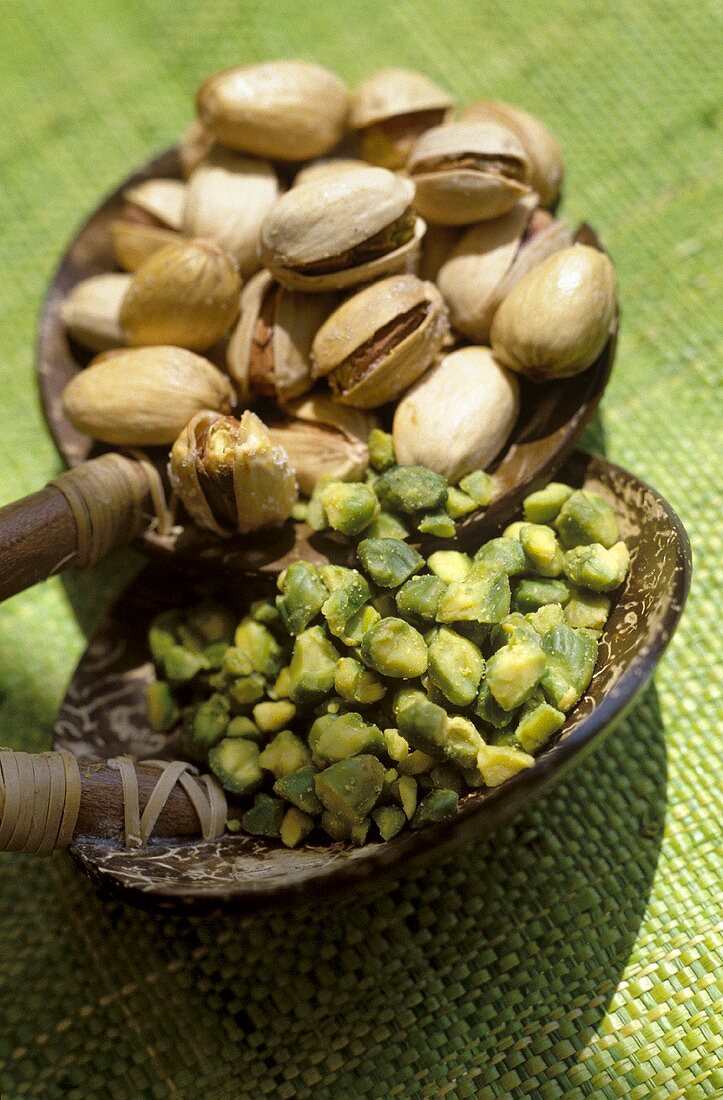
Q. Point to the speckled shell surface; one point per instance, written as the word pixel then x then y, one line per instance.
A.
pixel 391 92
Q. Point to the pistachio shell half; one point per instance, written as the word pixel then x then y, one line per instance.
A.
pixel 341 232
pixel 270 350
pixel 285 110
pixel 133 242
pixel 91 312
pixel 228 196
pixel 547 168
pixel 325 439
pixel 556 320
pixel 319 171
pixel 458 416
pixel 379 341
pixel 143 396
pixel 392 108
pixel 467 172
pixel 490 258
pixel 185 294
pixel 161 199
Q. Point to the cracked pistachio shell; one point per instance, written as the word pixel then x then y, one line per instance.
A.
pixel 316 222
pixel 262 487
pixel 227 198
pixel 91 312
pixel 185 294
pixel 161 199
pixel 459 416
pixel 392 108
pixel 547 168
pixel 133 242
pixel 490 258
pixel 319 171
pixel 196 143
pixel 380 340
pixel 285 110
pixel 325 439
pixel 143 396
pixel 556 320
pixel 273 356
pixel 452 192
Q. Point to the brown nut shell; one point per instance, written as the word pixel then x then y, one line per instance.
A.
pixel 392 108
pixel 227 198
pixel 342 232
pixel 458 416
pixel 379 341
pixel 143 396
pixel 556 320
pixel 284 110
pixel 91 312
pixel 547 168
pixel 325 439
pixel 466 172
pixel 185 294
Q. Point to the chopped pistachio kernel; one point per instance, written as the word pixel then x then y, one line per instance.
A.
pixel 300 511
pixel 514 628
pixel 596 567
pixel 282 684
pixel 449 565
pixel 163 711
pixel 397 747
pixel 349 507
pixel 315 515
pixel 478 485
pixel 357 626
pixel 389 820
pixel 312 668
pixel 496 763
pixel 205 723
pixel 489 710
pixel 455 666
pixel 537 725
pixel 235 762
pixel 503 553
pixel 259 645
pixel 381 450
pixel 436 806
pixel 303 593
pixel 163 635
pixel 459 504
pixel 542 550
pixel 544 506
pixel 411 489
pixel 350 788
pixel 241 726
pixel 181 665
pixel 386 526
pixel 586 518
pixel 446 777
pixel 481 598
pixel 589 610
pixel 531 593
pixel 388 562
pixel 512 531
pixel 295 827
pixel 394 648
pixel 405 790
pixel 514 671
pixel 419 597
pixel 338 736
pixel 265 816
pixel 571 656
pixel 416 763
pixel 438 524
pixel 346 601
pixel 266 612
pixel 545 617
pixel 299 788
pixel 385 604
pixel 272 717
pixel 357 684
pixel 285 754
pixel 247 690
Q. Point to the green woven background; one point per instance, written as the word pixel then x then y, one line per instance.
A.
pixel 575 954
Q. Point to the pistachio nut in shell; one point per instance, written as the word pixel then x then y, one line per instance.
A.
pixel 437 243
pixel 324 439
pixel 547 168
pixel 195 144
pixel 459 416
pixel 133 241
pixel 467 172
pixel 185 294
pixel 380 340
pixel 91 312
pixel 346 230
pixel 391 108
pixel 230 475
pixel 143 396
pixel 490 258
pixel 557 319
pixel 269 352
pixel 326 168
pixel 285 110
pixel 159 200
pixel 227 198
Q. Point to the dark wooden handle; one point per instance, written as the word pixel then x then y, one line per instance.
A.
pixel 38 537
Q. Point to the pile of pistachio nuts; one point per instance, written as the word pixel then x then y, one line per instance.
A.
pixel 329 262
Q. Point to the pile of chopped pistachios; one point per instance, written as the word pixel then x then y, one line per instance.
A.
pixel 330 262
pixel 361 701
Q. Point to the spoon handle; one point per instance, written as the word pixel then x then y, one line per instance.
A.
pixel 48 798
pixel 77 519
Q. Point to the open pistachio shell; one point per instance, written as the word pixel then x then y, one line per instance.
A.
pixel 270 349
pixel 379 341
pixel 547 167
pixel 325 439
pixel 466 172
pixel 458 416
pixel 162 199
pixel 392 108
pixel 348 230
pixel 228 196
pixel 319 171
pixel 556 320
pixel 185 294
pixel 490 258
pixel 133 242
pixel 285 110
pixel 91 312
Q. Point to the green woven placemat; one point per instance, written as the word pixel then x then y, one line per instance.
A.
pixel 576 954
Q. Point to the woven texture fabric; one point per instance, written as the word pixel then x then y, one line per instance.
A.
pixel 578 952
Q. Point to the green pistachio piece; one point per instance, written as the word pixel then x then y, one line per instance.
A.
pixel 513 628
pixel 265 816
pixel 386 526
pixel 350 788
pixel 531 593
pixel 449 565
pixel 205 724
pixel 455 666
pixel 589 610
pixel 512 531
pixel 478 485
pixel 282 685
pixel 409 489
pixel 514 671
pixel 496 763
pixel 346 601
pixel 597 568
pixel 303 593
pixel 459 504
pixel 381 450
pixel 357 684
pixel 405 791
pixel 446 777
pixel 419 597
pixel 349 506
pixel 246 690
pixel 212 621
pixel 542 550
pixel 357 626
pixel 181 664
pixel 163 634
pixel 436 806
pixel 339 736
pixel 388 562
pixel 537 725
pixel 571 657
pixel 300 511
pixel 260 646
pixel 235 762
pixel 585 518
pixel 544 505
pixel 240 726
pixel 163 711
pixel 315 515
pixel 389 820
pixel 312 667
pixel 272 717
pixel 484 597
pixel 295 827
pixel 394 648
pixel 266 612
pixel 284 755
pixel 503 553
pixel 299 788
pixel 545 618
pixel 438 524
pixel 489 710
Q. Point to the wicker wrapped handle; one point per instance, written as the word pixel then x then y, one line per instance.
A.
pixel 77 519
pixel 48 798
